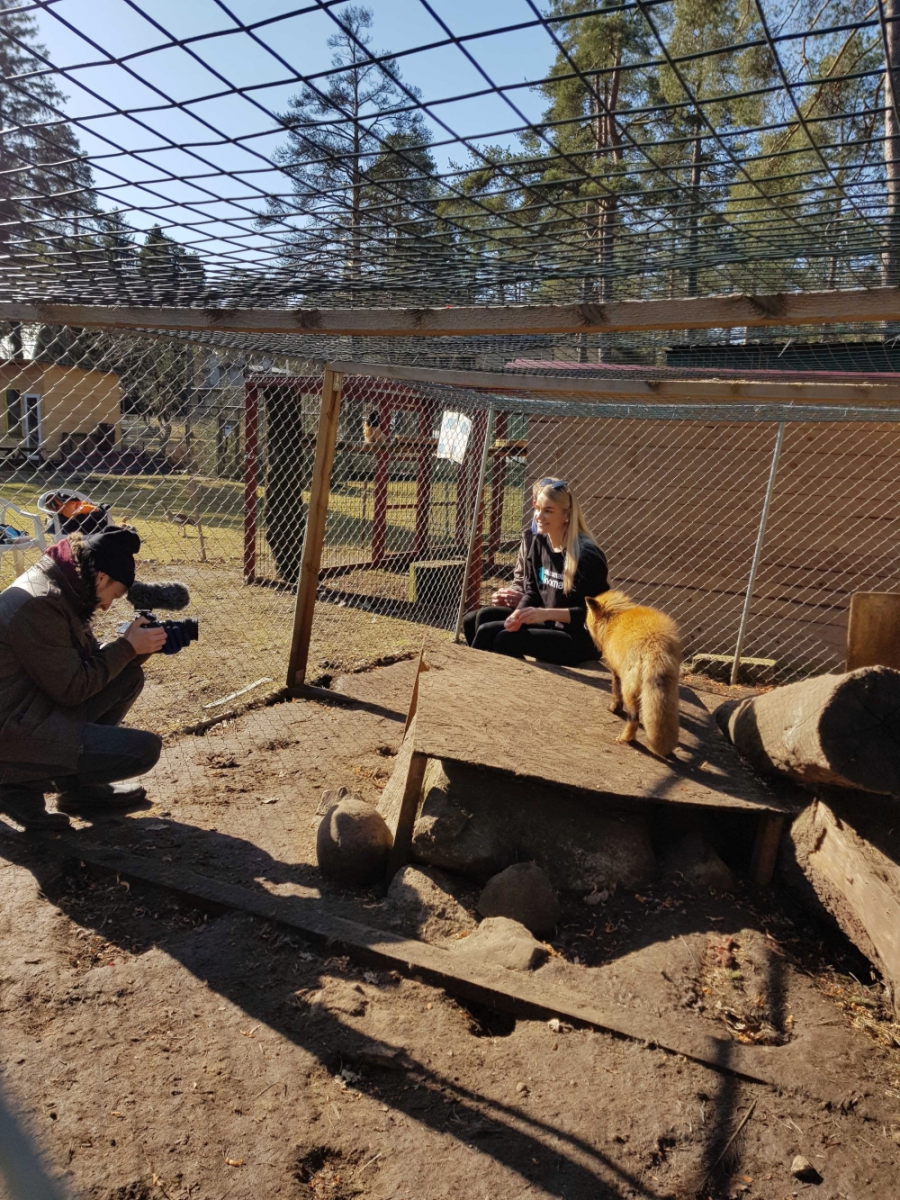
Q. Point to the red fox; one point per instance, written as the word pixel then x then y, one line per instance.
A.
pixel 642 648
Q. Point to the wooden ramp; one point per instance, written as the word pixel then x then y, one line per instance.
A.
pixel 537 722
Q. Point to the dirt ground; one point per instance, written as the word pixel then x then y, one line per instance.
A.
pixel 157 1050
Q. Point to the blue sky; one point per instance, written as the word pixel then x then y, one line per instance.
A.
pixel 101 90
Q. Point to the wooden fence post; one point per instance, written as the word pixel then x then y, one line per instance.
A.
pixel 311 559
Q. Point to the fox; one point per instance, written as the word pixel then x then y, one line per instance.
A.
pixel 642 648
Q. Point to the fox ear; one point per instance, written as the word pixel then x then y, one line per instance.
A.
pixel 592 604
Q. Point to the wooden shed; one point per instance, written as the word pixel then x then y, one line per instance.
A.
pixel 49 411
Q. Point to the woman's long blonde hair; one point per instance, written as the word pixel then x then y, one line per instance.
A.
pixel 577 532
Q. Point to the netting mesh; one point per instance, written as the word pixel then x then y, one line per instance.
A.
pixel 675 497
pixel 431 154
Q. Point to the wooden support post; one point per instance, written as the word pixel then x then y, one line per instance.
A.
pixel 765 848
pixel 251 468
pixel 380 489
pixel 873 630
pixel 423 488
pixel 311 558
pixel 482 431
pixel 498 493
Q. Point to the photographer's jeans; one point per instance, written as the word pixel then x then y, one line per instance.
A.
pixel 108 752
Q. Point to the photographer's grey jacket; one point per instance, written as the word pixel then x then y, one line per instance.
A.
pixel 50 664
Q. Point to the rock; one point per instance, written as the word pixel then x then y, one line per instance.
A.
pixel 522 1089
pixel 420 899
pixel 500 942
pixel 697 863
pixel 478 822
pixel 523 893
pixel 802 1169
pixel 353 843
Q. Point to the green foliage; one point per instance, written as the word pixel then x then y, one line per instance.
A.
pixel 359 173
pixel 44 178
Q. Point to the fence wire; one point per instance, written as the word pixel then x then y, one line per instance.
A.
pixel 208 452
pixel 674 495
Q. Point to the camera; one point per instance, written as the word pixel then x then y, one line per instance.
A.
pixel 179 633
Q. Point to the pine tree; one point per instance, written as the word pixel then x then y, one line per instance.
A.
pixel 44 177
pixel 170 274
pixel 360 174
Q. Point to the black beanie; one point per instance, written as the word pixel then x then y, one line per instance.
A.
pixel 112 551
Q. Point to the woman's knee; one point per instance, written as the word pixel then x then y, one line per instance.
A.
pixel 485 635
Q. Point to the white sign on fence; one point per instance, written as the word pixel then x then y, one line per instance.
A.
pixel 456 428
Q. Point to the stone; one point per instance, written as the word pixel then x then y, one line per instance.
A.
pixel 477 822
pixel 500 942
pixel 420 900
pixel 694 860
pixel 802 1169
pixel 353 843
pixel 524 893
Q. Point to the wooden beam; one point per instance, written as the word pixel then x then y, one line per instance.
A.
pixel 637 390
pixel 506 991
pixel 695 312
pixel 311 559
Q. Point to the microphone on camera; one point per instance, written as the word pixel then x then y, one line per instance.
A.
pixel 171 596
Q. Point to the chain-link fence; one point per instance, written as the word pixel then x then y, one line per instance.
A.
pixel 676 496
pixel 209 452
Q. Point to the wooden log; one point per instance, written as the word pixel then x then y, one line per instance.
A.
pixel 311 558
pixel 842 855
pixel 693 312
pixel 842 730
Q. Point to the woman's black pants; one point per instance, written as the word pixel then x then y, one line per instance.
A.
pixel 537 641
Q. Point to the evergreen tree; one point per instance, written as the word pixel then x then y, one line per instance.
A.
pixel 360 175
pixel 44 178
pixel 591 84
pixel 170 274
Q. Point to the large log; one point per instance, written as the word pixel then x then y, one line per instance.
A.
pixel 842 856
pixel 842 730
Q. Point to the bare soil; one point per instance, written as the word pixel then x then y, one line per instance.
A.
pixel 157 1050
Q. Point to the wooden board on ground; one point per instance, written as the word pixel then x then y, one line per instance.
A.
pixel 873 631
pixel 552 723
pixel 501 989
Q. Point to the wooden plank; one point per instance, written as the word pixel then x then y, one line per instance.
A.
pixel 576 747
pixel 506 991
pixel 622 389
pixel 873 631
pixel 311 558
pixel 699 312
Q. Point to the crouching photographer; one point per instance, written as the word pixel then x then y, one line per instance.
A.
pixel 62 694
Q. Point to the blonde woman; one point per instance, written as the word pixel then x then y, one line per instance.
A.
pixel 564 566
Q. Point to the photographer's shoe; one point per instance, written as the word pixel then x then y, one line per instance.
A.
pixel 96 798
pixel 26 807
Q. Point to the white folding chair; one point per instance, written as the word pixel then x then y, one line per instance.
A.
pixel 13 517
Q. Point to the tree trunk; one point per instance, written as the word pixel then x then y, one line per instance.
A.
pixel 694 214
pixel 841 730
pixel 890 258
pixel 842 857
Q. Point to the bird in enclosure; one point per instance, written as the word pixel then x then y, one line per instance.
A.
pixel 180 519
pixel 372 431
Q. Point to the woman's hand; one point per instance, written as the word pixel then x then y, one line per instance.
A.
pixel 507 597
pixel 524 616
pixel 144 640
